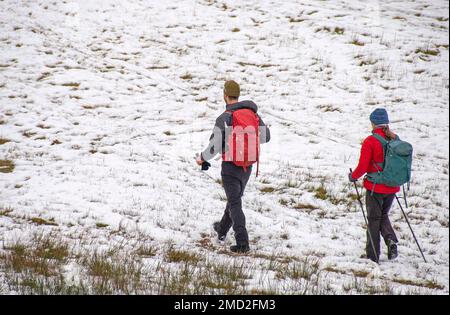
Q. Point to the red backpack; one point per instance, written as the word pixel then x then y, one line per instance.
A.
pixel 243 142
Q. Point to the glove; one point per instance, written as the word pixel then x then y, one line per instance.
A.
pixel 351 179
pixel 205 166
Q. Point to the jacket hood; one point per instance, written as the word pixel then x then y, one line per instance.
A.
pixel 243 105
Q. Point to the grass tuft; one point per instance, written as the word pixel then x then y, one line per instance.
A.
pixel 40 221
pixel 357 42
pixel 339 30
pixel 267 189
pixel 71 84
pixel 187 77
pixel 3 141
pixel 177 256
pixel 6 166
pixel 321 193
pixel 5 211
pixel 427 51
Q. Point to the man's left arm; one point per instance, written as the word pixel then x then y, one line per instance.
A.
pixel 216 140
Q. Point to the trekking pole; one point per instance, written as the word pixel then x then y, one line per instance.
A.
pixel 407 221
pixel 206 174
pixel 365 219
pixel 404 197
pixel 203 171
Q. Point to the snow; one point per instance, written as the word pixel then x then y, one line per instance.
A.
pixel 131 91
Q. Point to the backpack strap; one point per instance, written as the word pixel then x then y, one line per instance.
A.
pixel 384 143
pixel 259 147
pixel 378 166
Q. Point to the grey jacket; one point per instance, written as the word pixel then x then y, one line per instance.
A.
pixel 217 141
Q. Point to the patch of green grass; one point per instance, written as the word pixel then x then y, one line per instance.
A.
pixel 201 99
pixel 177 256
pixel 367 62
pixel 397 17
pixel 357 42
pixel 40 221
pixel 329 108
pixel 19 260
pixel 430 284
pixel 267 189
pixel 360 273
pixel 6 166
pixel 28 133
pixel 323 29
pixel 5 211
pixel 304 206
pixel 110 273
pixel 264 65
pixel 296 20
pixel 186 76
pixel 43 76
pixel 71 84
pixel 321 193
pixel 49 247
pixel 42 126
pixel 284 236
pixel 235 271
pixel 420 71
pixel 101 225
pixel 339 30
pixel 157 67
pixel 305 268
pixel 427 51
pixel 43 256
pixel 146 251
pixel 3 141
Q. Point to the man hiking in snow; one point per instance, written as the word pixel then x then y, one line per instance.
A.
pixel 379 197
pixel 236 135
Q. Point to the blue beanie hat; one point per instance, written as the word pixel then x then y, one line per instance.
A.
pixel 379 117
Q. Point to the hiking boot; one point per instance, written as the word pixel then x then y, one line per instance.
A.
pixel 239 248
pixel 392 250
pixel 220 236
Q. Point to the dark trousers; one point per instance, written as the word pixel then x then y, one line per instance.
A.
pixel 378 206
pixel 233 215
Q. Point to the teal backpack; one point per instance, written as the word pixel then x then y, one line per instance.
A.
pixel 397 163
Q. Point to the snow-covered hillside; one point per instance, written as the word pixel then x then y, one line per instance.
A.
pixel 103 105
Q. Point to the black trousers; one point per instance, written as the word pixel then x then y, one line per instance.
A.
pixel 378 207
pixel 233 215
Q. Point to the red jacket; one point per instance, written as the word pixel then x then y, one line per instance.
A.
pixel 372 152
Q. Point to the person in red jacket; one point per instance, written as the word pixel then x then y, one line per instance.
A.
pixel 379 197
